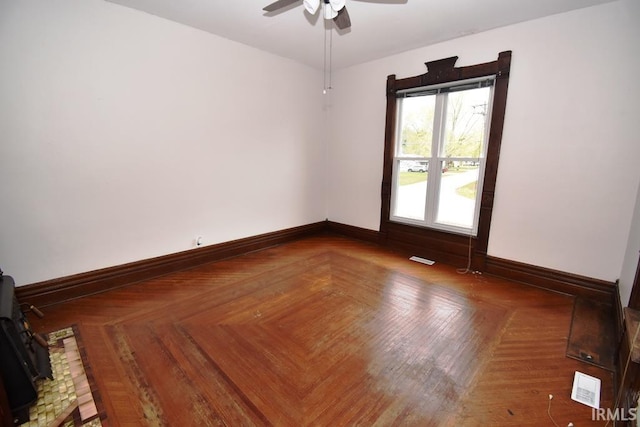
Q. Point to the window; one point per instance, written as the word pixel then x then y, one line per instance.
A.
pixel 439 154
pixel 442 137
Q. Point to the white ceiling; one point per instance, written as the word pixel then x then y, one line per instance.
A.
pixel 379 27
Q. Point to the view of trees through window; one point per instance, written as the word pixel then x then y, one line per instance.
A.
pixel 443 132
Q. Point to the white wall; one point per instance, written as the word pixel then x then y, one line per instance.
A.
pixel 124 136
pixel 632 254
pixel 568 172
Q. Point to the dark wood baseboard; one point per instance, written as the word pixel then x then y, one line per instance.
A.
pixel 67 288
pixel 618 312
pixel 62 289
pixel 432 244
pixel 357 233
pixel 541 277
pixel 553 280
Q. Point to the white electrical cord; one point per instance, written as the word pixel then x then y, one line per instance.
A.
pixel 549 411
pixel 468 268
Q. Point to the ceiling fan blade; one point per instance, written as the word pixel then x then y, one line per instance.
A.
pixel 280 4
pixel 311 6
pixel 342 20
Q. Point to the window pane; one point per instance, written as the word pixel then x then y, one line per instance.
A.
pixel 458 193
pixel 465 122
pixel 411 189
pixel 416 126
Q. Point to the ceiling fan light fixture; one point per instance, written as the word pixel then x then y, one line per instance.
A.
pixel 337 5
pixel 328 11
pixel 311 6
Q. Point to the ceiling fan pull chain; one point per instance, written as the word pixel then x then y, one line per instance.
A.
pixel 328 59
pixel 324 66
pixel 330 54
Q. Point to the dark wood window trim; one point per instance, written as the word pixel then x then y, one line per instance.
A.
pixel 431 243
pixel 634 299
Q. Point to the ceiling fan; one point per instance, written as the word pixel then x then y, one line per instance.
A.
pixel 331 9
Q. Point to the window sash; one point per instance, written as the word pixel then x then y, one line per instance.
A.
pixel 434 180
pixel 476 83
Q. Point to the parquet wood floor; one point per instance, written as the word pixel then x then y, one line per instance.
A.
pixel 329 331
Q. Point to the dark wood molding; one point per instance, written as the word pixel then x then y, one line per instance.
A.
pixel 358 233
pixel 554 280
pixel 627 380
pixel 634 299
pixel 445 71
pixel 63 289
pixel 627 387
pixel 618 312
pixel 452 249
pixel 443 246
pixel 447 251
pixel 494 144
pixel 387 167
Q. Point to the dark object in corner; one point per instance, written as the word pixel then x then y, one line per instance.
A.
pixel 592 337
pixel 23 360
